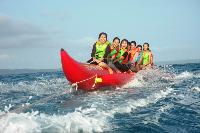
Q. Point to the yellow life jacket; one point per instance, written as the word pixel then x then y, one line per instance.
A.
pixel 101 49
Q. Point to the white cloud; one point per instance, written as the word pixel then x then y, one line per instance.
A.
pixel 10 27
pixel 20 34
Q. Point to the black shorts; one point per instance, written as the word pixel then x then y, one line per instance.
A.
pixel 95 63
pixel 121 67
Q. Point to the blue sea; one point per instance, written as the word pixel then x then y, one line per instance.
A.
pixel 163 99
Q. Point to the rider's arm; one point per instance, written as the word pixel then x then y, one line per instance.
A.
pixel 93 51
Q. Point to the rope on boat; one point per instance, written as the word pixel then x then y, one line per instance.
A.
pixel 76 83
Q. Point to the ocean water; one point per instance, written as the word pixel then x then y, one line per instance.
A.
pixel 163 99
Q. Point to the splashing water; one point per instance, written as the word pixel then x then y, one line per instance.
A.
pixel 164 99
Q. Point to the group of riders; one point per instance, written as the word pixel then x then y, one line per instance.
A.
pixel 120 56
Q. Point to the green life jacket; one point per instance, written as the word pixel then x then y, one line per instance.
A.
pixel 113 52
pixel 145 57
pixel 120 53
pixel 101 49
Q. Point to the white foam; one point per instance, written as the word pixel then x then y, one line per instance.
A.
pixel 197 75
pixel 93 118
pixel 30 97
pixel 18 123
pixel 150 78
pixel 7 108
pixel 184 75
pixel 165 108
pixel 136 82
pixel 76 121
pixel 134 104
pixel 156 117
pixel 195 89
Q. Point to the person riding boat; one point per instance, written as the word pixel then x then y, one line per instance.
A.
pixel 100 52
pixel 114 48
pixel 146 59
pixel 136 58
pixel 133 49
pixel 138 54
pixel 122 54
pixel 127 59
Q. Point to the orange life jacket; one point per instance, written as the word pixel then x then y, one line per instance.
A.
pixel 133 51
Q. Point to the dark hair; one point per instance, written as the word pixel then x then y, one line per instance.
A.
pixel 147 45
pixel 125 41
pixel 129 43
pixel 134 42
pixel 116 38
pixel 103 33
pixel 139 46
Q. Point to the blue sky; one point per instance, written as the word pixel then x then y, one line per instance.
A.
pixel 32 32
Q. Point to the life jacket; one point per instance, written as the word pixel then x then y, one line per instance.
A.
pixel 133 51
pixel 126 60
pixel 137 58
pixel 146 57
pixel 117 49
pixel 113 52
pixel 101 49
pixel 120 53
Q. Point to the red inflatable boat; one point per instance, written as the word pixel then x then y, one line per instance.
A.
pixel 90 77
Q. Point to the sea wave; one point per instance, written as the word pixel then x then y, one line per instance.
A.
pixel 35 122
pixel 184 75
pixel 90 119
pixel 153 96
pixel 42 86
pixel 143 102
pixel 197 89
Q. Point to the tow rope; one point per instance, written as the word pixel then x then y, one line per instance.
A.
pixel 76 83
